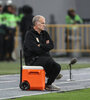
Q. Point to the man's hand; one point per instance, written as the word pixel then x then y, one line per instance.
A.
pixel 38 45
pixel 47 41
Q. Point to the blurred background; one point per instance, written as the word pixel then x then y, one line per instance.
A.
pixel 58 8
pixel 67 23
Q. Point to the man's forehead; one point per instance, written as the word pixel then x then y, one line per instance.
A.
pixel 42 18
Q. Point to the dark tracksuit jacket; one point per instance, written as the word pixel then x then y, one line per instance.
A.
pixel 39 56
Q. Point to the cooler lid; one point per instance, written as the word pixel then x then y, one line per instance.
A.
pixel 32 67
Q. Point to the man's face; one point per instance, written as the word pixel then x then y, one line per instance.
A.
pixel 1 8
pixel 41 24
pixel 72 13
pixel 10 9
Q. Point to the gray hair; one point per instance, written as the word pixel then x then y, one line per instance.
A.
pixel 36 19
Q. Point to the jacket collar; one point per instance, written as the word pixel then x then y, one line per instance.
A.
pixel 35 32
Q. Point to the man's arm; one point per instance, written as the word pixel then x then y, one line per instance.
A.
pixel 48 45
pixel 32 45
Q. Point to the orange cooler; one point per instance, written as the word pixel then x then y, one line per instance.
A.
pixel 35 76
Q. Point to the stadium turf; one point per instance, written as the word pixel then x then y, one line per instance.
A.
pixel 72 95
pixel 14 67
pixel 9 68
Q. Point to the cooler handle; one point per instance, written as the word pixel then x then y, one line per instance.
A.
pixel 34 72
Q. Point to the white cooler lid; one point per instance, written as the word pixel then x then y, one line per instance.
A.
pixel 32 67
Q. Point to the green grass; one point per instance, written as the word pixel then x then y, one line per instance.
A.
pixel 72 95
pixel 9 68
pixel 14 67
pixel 75 66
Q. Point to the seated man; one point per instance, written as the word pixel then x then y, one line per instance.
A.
pixel 37 45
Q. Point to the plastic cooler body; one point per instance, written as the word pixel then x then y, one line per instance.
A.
pixel 35 76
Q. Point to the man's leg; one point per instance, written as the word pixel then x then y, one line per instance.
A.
pixel 52 69
pixel 53 72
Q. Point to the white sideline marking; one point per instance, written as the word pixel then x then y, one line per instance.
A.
pixel 44 92
pixel 54 83
pixel 78 74
pixel 7 81
pixel 9 75
pixel 38 93
pixel 25 95
pixel 62 73
pixel 9 88
pixel 72 81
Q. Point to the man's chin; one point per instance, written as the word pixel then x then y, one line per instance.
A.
pixel 43 29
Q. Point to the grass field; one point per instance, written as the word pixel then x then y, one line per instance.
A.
pixel 14 67
pixel 72 95
pixel 9 68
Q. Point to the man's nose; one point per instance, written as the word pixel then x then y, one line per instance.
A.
pixel 44 25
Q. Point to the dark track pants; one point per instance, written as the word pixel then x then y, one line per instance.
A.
pixel 52 69
pixel 1 46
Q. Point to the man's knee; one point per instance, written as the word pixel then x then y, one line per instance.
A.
pixel 57 67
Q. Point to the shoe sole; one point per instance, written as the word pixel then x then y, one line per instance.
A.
pixel 51 89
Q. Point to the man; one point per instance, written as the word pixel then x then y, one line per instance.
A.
pixel 71 18
pixel 9 20
pixel 26 21
pixel 37 45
